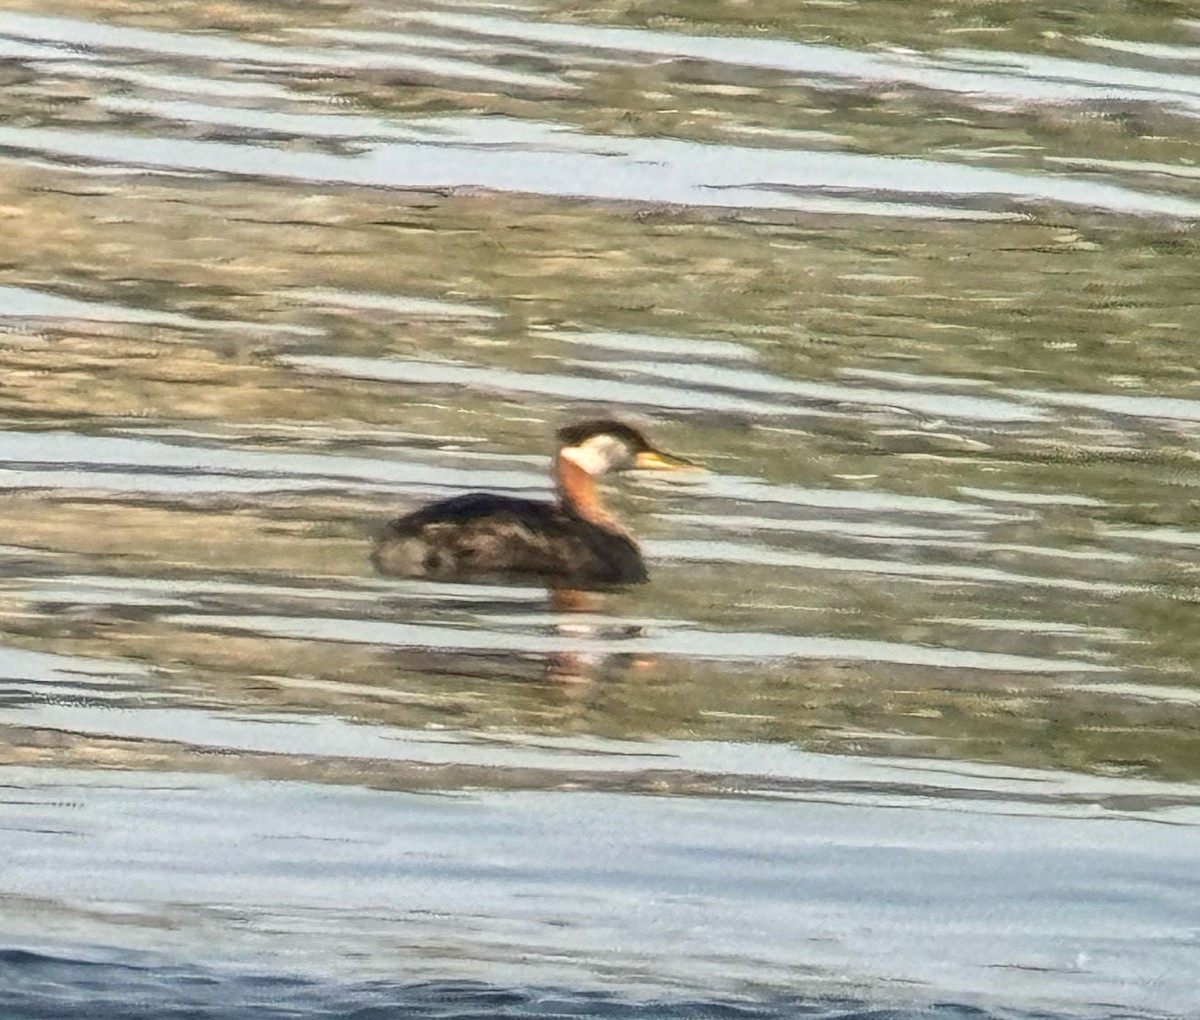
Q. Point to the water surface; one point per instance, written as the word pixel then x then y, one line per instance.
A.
pixel 905 722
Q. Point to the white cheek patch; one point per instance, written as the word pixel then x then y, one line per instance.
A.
pixel 596 455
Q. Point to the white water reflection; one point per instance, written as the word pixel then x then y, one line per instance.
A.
pixel 15 49
pixel 710 551
pixel 585 890
pixel 756 490
pixel 647 343
pixel 1029 498
pixel 20 663
pixel 209 46
pixel 1011 77
pixel 515 156
pixel 730 389
pixel 749 770
pixel 400 304
pixel 70 460
pixel 576 387
pixel 1181 91
pixel 883 531
pixel 965 407
pixel 183 84
pixel 24 303
pixel 1120 404
pixel 1157 50
pixel 677 640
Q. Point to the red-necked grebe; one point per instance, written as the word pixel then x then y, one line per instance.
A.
pixel 573 541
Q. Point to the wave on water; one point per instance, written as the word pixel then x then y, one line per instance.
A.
pixel 36 986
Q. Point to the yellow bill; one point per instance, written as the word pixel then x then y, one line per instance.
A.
pixel 656 460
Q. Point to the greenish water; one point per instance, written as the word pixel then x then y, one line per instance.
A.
pixel 909 710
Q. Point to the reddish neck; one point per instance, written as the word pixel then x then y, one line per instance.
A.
pixel 578 493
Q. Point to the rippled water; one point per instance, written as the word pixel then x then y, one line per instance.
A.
pixel 907 721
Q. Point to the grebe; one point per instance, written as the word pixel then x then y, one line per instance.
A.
pixel 575 540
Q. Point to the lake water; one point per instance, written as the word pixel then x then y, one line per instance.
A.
pixel 906 723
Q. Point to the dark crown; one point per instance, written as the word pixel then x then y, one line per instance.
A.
pixel 581 432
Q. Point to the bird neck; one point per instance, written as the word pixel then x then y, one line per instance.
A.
pixel 579 494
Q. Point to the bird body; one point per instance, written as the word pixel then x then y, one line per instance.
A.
pixel 574 541
pixel 481 535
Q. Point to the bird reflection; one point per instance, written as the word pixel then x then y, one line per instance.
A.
pixel 577 618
